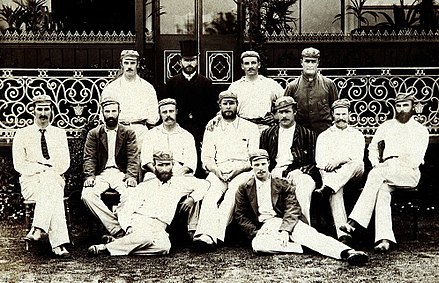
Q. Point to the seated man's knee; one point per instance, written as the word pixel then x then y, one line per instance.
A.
pixel 87 194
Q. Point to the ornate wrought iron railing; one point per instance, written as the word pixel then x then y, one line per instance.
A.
pixel 372 92
pixel 77 92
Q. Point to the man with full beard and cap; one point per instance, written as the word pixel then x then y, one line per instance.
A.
pixel 339 158
pixel 396 151
pixel 111 161
pixel 225 155
pixel 269 214
pixel 152 208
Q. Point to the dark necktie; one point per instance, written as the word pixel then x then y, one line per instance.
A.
pixel 44 144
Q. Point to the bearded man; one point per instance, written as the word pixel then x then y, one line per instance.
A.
pixel 396 152
pixel 111 161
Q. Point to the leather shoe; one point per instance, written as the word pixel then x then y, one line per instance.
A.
pixel 357 257
pixel 346 239
pixel 97 250
pixel 107 239
pixel 347 228
pixel 203 243
pixel 324 192
pixel 61 252
pixel 383 246
pixel 33 235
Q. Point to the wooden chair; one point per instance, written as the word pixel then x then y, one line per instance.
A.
pixel 407 199
pixel 29 207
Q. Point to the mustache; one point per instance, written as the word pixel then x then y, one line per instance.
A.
pixel 169 119
pixel 341 120
pixel 44 116
pixel 129 69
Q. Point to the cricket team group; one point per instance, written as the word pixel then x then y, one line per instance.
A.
pixel 256 153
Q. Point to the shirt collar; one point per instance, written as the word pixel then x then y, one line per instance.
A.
pixel 108 130
pixel 188 76
pixel 177 129
pixel 334 128
pixel 244 78
pixel 260 183
pixel 290 129
pixel 234 123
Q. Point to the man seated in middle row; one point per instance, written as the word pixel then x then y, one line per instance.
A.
pixel 291 149
pixel 225 155
pixel 169 136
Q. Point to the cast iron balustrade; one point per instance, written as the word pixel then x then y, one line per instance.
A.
pixel 372 92
pixel 77 92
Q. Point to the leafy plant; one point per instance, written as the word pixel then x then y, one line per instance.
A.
pixel 356 8
pixel 403 16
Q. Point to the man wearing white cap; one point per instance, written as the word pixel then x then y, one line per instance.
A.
pixel 41 155
pixel 339 157
pixel 396 151
pixel 137 97
pixel 269 214
pixel 313 92
pixel 111 161
pixel 256 93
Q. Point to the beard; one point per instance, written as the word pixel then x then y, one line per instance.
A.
pixel 111 122
pixel 164 176
pixel 403 117
pixel 189 70
pixel 229 115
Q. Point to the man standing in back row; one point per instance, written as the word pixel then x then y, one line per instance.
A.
pixel 313 93
pixel 194 96
pixel 137 97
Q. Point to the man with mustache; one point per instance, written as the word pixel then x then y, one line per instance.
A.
pixel 225 155
pixel 136 96
pixel 152 208
pixel 269 214
pixel 394 164
pixel 194 95
pixel 256 93
pixel 313 93
pixel 291 149
pixel 111 161
pixel 339 158
pixel 170 136
pixel 41 155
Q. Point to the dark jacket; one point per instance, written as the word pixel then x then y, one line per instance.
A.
pixel 302 149
pixel 284 202
pixel 196 102
pixel 314 99
pixel 96 151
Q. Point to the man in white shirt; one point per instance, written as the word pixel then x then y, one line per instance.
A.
pixel 41 155
pixel 111 161
pixel 396 151
pixel 269 214
pixel 171 137
pixel 339 157
pixel 225 155
pixel 256 93
pixel 152 208
pixel 137 97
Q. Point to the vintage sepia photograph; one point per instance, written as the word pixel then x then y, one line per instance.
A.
pixel 219 141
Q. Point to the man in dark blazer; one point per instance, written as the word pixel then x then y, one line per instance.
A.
pixel 197 103
pixel 111 161
pixel 291 149
pixel 269 214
